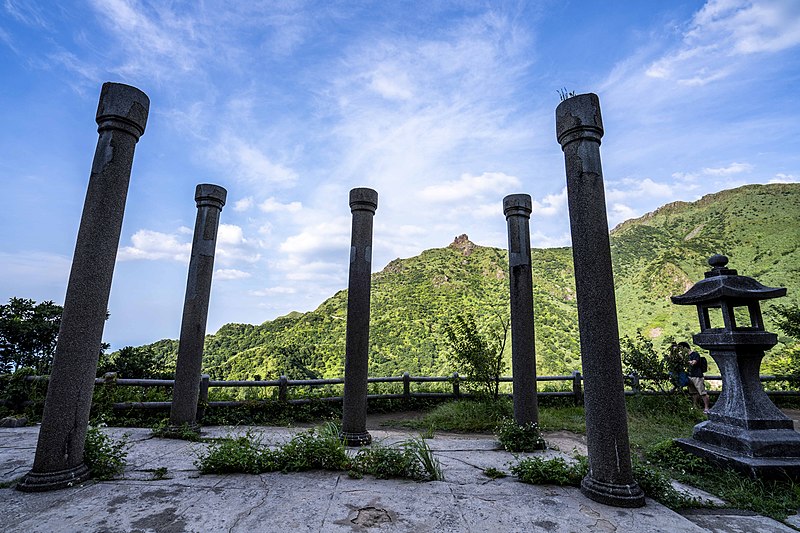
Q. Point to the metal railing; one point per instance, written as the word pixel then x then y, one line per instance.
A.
pixel 284 385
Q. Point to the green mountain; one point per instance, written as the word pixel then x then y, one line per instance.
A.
pixel 655 256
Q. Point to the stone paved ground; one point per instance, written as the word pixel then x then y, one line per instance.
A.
pixel 326 501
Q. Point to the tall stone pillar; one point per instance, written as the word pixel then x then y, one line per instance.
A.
pixel 517 208
pixel 186 392
pixel 579 128
pixel 121 118
pixel 363 204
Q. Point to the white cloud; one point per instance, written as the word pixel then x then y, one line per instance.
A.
pixel 540 240
pixel 231 247
pixel 723 32
pixel 250 163
pixel 551 204
pixel 733 168
pixel 469 186
pixel 317 238
pixel 26 12
pixel 619 213
pixel 637 189
pixel 154 246
pixel 244 204
pixel 230 274
pixel 785 178
pixel 35 267
pixel 271 205
pixel 272 291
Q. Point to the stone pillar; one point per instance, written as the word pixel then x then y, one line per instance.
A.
pixel 517 208
pixel 363 204
pixel 121 118
pixel 579 128
pixel 185 394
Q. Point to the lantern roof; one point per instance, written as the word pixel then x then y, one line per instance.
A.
pixel 725 283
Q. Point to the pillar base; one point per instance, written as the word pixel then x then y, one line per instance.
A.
pixel 613 494
pixel 779 468
pixel 354 439
pixel 45 481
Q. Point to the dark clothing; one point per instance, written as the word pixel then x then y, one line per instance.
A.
pixel 695 370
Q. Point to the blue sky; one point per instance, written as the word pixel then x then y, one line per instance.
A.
pixel 442 107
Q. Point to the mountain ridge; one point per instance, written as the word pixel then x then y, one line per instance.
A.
pixel 657 255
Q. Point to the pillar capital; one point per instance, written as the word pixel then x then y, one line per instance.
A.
pixel 122 107
pixel 207 194
pixel 363 199
pixel 517 205
pixel 579 118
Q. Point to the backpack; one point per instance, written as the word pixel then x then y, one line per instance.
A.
pixel 703 364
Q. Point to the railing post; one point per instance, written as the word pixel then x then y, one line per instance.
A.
pixel 456 385
pixel 577 387
pixel 406 385
pixel 202 401
pixel 635 385
pixel 283 389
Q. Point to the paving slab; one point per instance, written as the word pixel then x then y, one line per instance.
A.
pixel 183 500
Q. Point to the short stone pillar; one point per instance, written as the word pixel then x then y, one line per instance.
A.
pixel 579 128
pixel 186 392
pixel 517 208
pixel 744 430
pixel 121 118
pixel 363 204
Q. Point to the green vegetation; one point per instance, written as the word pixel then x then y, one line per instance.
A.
pixel 320 448
pixel 104 455
pixel 28 333
pixel 414 300
pixel 777 499
pixel 520 437
pixel 464 415
pixel 480 355
pixel 412 459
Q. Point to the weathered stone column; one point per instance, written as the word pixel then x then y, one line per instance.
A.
pixel 363 204
pixel 517 208
pixel 185 394
pixel 579 128
pixel 121 117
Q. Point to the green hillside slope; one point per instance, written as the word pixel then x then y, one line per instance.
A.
pixel 655 256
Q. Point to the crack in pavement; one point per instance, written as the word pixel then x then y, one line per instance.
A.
pixel 330 502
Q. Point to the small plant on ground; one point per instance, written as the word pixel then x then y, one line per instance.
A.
pixel 555 471
pixel 317 448
pixel 494 473
pixel 163 430
pixel 104 455
pixel 245 453
pixel 412 459
pixel 320 448
pixel 159 473
pixel 520 437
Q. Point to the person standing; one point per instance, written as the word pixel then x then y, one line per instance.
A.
pixel 696 376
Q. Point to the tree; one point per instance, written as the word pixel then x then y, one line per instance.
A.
pixel 28 334
pixel 481 356
pixel 640 357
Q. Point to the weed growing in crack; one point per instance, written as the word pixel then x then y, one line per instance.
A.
pixel 104 455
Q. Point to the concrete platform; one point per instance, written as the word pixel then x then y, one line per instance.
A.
pixel 320 501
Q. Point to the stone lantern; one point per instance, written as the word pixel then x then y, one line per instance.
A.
pixel 744 430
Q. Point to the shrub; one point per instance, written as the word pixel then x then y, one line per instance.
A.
pixel 555 471
pixel 520 437
pixel 104 455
